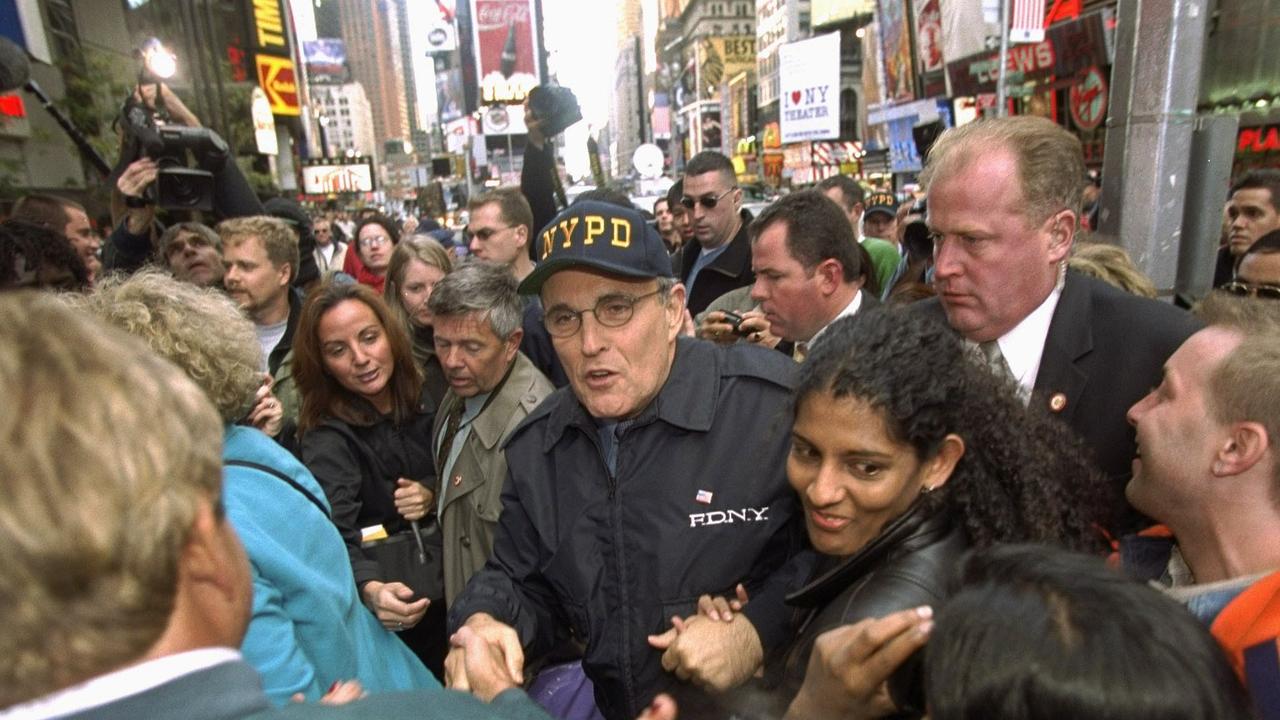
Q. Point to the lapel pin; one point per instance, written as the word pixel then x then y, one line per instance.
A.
pixel 1058 402
pixel 457 480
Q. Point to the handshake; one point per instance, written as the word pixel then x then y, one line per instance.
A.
pixel 487 660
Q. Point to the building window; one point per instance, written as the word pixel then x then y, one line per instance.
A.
pixel 62 29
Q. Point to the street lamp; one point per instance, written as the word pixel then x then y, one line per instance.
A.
pixel 158 62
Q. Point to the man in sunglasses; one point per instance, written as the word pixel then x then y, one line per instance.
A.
pixel 1259 271
pixel 657 476
pixel 720 260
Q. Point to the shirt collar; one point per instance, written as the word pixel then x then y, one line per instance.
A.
pixel 848 310
pixel 1023 346
pixel 121 684
pixel 687 399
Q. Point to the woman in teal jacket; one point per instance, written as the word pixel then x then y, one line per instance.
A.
pixel 309 628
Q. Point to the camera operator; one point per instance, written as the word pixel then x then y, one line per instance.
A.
pixel 132 242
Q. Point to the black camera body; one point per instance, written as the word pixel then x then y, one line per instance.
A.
pixel 557 107
pixel 177 186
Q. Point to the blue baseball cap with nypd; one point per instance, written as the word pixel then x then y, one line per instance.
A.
pixel 598 236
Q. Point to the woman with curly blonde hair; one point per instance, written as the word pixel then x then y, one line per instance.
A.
pixel 309 628
pixel 417 264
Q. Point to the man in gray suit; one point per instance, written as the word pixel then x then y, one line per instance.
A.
pixel 492 387
pixel 123 587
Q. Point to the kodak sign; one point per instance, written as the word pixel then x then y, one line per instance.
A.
pixel 277 80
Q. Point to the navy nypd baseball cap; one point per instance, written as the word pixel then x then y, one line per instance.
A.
pixel 598 236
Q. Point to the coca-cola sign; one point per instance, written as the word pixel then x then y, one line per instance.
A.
pixel 506 50
pixel 493 16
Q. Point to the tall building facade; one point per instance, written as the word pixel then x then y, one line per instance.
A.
pixel 347 119
pixel 417 134
pixel 627 106
pixel 371 31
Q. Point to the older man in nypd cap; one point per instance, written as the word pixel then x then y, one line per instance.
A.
pixel 655 477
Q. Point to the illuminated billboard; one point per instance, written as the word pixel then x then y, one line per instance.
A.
pixel 326 60
pixel 321 179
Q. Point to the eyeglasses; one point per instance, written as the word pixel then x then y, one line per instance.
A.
pixel 483 234
pixel 610 311
pixel 374 241
pixel 706 201
pixel 1266 291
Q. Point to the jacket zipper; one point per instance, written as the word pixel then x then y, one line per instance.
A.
pixel 615 507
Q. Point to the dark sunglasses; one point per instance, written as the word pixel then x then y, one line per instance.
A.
pixel 707 201
pixel 1253 290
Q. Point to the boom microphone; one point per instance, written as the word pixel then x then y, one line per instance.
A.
pixel 15 69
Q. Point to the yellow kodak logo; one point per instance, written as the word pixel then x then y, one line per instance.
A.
pixel 594 228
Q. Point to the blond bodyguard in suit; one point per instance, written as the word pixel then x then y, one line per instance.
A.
pixel 492 388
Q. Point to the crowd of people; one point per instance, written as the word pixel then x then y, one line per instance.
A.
pixel 851 457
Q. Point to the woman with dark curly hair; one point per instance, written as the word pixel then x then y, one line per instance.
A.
pixel 905 453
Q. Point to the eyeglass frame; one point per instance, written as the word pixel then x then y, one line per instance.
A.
pixel 1243 288
pixel 594 310
pixel 707 203
pixel 373 241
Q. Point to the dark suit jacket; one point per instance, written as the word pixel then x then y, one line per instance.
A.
pixel 233 691
pixel 730 271
pixel 1105 350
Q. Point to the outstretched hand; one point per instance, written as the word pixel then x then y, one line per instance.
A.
pixel 850 666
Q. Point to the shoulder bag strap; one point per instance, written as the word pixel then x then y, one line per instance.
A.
pixel 293 483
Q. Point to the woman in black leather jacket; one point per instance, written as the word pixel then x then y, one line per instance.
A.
pixel 365 427
pixel 905 453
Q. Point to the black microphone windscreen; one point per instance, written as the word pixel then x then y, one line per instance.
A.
pixel 15 69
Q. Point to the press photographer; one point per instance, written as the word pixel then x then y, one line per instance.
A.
pixel 160 138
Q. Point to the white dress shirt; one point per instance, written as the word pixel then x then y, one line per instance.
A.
pixel 1023 346
pixel 118 685
pixel 848 310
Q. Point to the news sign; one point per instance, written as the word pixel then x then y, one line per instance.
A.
pixel 505 35
pixel 326 61
pixel 323 178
